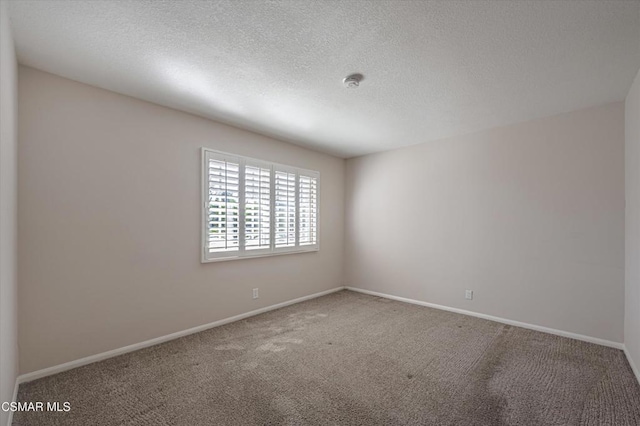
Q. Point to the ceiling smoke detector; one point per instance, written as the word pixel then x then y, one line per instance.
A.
pixel 352 81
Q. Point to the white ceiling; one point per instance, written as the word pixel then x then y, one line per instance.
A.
pixel 432 69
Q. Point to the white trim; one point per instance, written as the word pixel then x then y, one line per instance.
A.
pixel 262 253
pixel 14 399
pixel 203 205
pixel 635 369
pixel 562 333
pixel 115 352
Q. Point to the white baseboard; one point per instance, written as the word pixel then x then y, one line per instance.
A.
pixel 110 354
pixel 13 399
pixel 562 333
pixel 115 352
pixel 633 365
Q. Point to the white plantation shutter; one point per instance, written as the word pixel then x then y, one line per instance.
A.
pixel 223 205
pixel 285 208
pixel 308 208
pixel 257 199
pixel 255 208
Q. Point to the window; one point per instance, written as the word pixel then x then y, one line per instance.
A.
pixel 254 208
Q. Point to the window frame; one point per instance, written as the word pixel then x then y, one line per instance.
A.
pixel 242 252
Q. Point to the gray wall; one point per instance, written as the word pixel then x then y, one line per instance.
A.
pixel 8 218
pixel 110 223
pixel 632 224
pixel 529 216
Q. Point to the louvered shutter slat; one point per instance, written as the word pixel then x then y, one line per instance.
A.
pixel 223 206
pixel 285 209
pixel 257 207
pixel 308 201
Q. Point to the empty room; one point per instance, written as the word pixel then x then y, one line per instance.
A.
pixel 319 212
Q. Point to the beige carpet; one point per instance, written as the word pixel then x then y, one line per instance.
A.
pixel 350 359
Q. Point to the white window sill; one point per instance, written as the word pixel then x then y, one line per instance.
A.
pixel 253 256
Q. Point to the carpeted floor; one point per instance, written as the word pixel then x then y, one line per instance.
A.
pixel 350 359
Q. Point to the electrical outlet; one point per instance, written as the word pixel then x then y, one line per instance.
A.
pixel 468 294
pixel 256 293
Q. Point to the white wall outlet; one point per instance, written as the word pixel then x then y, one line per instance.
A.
pixel 468 294
pixel 256 293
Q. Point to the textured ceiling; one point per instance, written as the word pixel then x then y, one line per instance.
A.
pixel 432 69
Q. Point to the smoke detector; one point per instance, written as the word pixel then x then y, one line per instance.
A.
pixel 352 81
